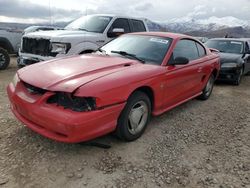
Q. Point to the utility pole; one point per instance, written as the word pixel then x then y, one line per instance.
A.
pixel 50 13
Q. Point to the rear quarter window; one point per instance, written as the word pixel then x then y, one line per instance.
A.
pixel 201 50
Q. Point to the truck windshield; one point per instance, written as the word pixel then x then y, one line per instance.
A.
pixel 226 46
pixel 147 49
pixel 95 24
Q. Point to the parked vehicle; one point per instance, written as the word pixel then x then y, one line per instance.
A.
pixel 235 57
pixel 116 89
pixel 83 35
pixel 36 28
pixel 9 44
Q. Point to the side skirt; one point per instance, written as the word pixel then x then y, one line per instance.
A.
pixel 159 112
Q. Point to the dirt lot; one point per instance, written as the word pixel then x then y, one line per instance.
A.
pixel 198 144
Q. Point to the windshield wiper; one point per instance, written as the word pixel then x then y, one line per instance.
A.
pixel 102 51
pixel 81 29
pixel 123 53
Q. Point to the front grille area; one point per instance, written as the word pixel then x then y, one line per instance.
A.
pixel 34 90
pixel 36 46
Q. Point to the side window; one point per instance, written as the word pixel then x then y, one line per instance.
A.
pixel 138 26
pixel 121 23
pixel 186 48
pixel 201 50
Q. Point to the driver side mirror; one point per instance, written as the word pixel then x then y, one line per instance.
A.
pixel 179 61
pixel 247 52
pixel 116 32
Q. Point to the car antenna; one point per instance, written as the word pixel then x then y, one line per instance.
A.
pixel 50 12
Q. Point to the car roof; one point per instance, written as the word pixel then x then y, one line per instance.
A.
pixel 117 16
pixel 163 34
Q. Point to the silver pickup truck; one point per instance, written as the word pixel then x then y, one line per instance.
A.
pixel 9 44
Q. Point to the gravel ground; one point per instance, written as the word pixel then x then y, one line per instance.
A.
pixel 198 144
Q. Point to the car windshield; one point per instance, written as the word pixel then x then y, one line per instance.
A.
pixel 95 24
pixel 226 46
pixel 148 49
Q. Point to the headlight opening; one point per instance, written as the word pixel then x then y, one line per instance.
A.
pixel 74 103
pixel 62 48
pixel 15 80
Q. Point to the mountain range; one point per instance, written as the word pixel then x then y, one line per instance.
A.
pixel 210 27
pixel 187 24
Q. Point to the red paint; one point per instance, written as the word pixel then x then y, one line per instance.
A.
pixel 111 83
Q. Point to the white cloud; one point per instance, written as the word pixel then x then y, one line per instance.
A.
pixel 159 10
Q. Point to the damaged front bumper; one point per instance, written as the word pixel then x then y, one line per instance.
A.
pixel 62 124
pixel 229 74
pixel 25 59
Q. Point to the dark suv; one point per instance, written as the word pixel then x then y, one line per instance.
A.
pixel 235 57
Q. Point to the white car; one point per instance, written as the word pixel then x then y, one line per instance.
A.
pixel 84 35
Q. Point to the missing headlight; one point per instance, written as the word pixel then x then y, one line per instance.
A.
pixel 78 104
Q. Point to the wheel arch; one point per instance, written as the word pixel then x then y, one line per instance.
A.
pixel 4 43
pixel 148 91
pixel 86 51
pixel 243 67
pixel 215 73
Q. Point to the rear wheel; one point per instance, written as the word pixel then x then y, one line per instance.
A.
pixel 238 79
pixel 4 59
pixel 134 117
pixel 206 92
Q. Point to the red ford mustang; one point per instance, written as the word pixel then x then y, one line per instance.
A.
pixel 116 89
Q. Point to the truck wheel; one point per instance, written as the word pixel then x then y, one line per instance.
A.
pixel 134 117
pixel 4 59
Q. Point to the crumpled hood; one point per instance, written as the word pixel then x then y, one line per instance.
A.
pixel 230 58
pixel 60 34
pixel 67 74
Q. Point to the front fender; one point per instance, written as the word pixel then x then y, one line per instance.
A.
pixel 117 87
pixel 77 49
pixel 5 43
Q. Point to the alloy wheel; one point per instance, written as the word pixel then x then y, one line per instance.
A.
pixel 137 118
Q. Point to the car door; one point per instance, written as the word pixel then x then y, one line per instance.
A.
pixel 119 23
pixel 183 81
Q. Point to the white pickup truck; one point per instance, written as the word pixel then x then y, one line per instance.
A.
pixel 83 35
pixel 9 44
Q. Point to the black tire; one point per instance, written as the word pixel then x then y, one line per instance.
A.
pixel 207 91
pixel 4 59
pixel 124 129
pixel 238 79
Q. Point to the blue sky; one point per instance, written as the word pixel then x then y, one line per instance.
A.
pixel 158 10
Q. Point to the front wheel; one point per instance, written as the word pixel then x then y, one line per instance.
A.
pixel 206 92
pixel 4 59
pixel 134 117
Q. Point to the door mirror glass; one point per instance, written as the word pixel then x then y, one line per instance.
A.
pixel 116 32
